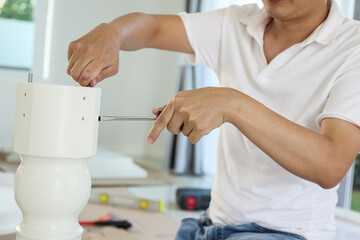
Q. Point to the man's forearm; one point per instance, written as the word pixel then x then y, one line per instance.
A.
pixel 321 158
pixel 135 30
pixel 139 30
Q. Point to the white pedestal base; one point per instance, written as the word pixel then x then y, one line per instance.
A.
pixel 18 237
pixel 55 135
pixel 51 192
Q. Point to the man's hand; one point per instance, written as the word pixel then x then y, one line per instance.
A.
pixel 94 56
pixel 195 113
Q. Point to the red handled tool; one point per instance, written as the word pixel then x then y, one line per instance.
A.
pixel 119 224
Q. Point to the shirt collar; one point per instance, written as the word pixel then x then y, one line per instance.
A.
pixel 325 33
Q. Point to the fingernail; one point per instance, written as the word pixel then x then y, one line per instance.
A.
pixel 150 141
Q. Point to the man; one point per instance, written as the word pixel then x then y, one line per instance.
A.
pixel 289 108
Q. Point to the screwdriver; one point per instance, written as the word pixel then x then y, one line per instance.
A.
pixel 127 118
pixel 119 224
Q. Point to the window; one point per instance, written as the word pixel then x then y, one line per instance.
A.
pixel 17 33
pixel 355 198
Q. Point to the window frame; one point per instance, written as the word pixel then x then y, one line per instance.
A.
pixel 40 22
pixel 10 76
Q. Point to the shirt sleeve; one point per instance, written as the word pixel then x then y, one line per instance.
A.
pixel 344 99
pixel 204 33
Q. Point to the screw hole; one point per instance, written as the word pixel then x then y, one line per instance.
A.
pixel 23 114
pixel 25 94
pixel 83 118
pixel 84 98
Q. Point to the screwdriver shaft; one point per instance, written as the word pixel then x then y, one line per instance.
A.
pixel 125 118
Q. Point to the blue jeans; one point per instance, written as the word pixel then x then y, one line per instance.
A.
pixel 203 229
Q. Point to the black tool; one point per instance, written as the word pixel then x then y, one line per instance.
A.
pixel 193 198
pixel 119 224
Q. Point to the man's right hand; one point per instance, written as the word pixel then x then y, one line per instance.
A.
pixel 94 56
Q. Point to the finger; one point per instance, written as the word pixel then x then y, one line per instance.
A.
pixel 70 50
pixel 92 83
pixel 105 73
pixel 78 68
pixel 160 123
pixel 186 129
pixel 108 71
pixel 175 124
pixel 156 110
pixel 90 72
pixel 194 137
pixel 71 64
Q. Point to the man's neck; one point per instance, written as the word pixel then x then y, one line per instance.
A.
pixel 281 34
pixel 297 29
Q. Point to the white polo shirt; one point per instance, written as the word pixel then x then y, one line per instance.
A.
pixel 310 81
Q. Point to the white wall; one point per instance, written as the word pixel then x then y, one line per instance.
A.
pixel 146 79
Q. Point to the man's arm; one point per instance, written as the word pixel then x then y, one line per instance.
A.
pixel 95 56
pixel 322 158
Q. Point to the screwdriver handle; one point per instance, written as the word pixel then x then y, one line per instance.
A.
pixel 119 224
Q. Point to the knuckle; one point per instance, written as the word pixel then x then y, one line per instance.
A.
pixel 78 46
pixel 73 74
pixel 86 74
pixel 206 132
pixel 178 97
pixel 112 71
pixel 200 128
pixel 183 111
pixel 116 68
pixel 84 48
pixel 173 130
pixel 174 100
pixel 182 93
pixel 83 83
pixel 71 45
pixel 193 121
pixel 191 140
